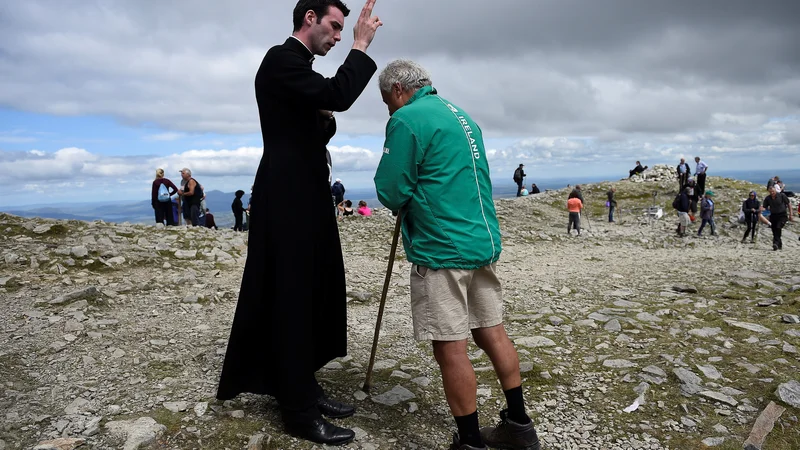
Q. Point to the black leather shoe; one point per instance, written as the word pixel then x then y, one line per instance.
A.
pixel 334 409
pixel 322 432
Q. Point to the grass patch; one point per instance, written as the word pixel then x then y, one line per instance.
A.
pixel 13 371
pixel 158 370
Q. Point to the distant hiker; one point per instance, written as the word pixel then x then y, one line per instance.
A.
pixel 161 198
pixel 439 183
pixel 363 209
pixel 700 173
pixel 247 210
pixel 524 192
pixel 519 178
pixel 694 196
pixel 750 208
pixel 780 187
pixel 192 193
pixel 683 173
pixel 579 193
pixel 337 191
pixel 534 189
pixel 682 206
pixel 636 170
pixel 574 206
pixel 210 220
pixel 771 182
pixel 707 213
pixel 345 208
pixel 612 203
pixel 779 210
pixel 238 210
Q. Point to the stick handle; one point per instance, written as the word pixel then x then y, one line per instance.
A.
pixel 368 380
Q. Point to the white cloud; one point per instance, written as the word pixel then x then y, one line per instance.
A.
pixel 169 136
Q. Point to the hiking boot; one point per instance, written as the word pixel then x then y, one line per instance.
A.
pixel 457 445
pixel 744 240
pixel 509 435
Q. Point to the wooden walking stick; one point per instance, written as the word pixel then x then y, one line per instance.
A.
pixel 368 380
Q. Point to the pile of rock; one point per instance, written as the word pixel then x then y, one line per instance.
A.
pixel 657 173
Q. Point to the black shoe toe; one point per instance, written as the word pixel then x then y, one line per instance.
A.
pixel 335 409
pixel 322 432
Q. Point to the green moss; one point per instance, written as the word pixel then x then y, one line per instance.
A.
pixel 158 370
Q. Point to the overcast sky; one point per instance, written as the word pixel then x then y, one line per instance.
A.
pixel 96 94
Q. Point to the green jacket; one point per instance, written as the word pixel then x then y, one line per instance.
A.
pixel 434 168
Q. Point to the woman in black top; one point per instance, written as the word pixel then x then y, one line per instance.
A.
pixel 750 208
pixel 346 208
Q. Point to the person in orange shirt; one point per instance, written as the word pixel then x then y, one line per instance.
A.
pixel 574 205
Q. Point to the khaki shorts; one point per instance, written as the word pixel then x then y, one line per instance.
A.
pixel 447 303
pixel 683 219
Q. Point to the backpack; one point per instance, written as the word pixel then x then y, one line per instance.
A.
pixel 518 174
pixel 677 202
pixel 163 193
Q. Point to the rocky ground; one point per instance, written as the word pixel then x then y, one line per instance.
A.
pixel 629 337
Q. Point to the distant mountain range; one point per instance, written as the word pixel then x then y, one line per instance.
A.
pixel 135 212
pixel 220 202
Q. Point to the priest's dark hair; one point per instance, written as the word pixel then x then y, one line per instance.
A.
pixel 320 8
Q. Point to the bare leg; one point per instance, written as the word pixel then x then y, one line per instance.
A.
pixel 495 342
pixel 458 376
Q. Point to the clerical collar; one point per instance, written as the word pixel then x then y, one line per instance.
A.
pixel 306 47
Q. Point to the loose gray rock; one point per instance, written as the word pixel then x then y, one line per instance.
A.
pixel 654 370
pixel 136 432
pixel 709 371
pixel 685 288
pixel 421 381
pixel 790 318
pixel 748 326
pixel 186 254
pixel 256 442
pixel 87 292
pixel 789 393
pixel 77 406
pixel 200 408
pixel 79 251
pixel 705 332
pixel 176 406
pixel 713 441
pixel 618 363
pixel 719 397
pixel 59 444
pixel 613 326
pixel 534 342
pixel 396 395
pixel 384 364
pixel 687 376
pixel 647 317
pixel 771 301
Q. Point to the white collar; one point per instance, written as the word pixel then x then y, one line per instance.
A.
pixel 304 45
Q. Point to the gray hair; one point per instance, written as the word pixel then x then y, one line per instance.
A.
pixel 409 74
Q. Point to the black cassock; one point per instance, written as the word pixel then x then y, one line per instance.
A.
pixel 291 318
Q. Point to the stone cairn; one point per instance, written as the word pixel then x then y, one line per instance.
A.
pixel 657 173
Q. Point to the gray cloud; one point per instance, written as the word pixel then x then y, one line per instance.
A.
pixel 618 77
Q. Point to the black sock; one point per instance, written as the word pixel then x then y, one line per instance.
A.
pixel 469 431
pixel 516 405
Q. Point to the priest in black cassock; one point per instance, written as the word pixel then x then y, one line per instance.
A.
pixel 291 317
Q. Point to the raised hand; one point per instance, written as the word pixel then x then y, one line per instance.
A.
pixel 365 27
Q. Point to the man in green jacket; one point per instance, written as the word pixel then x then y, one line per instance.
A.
pixel 435 174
